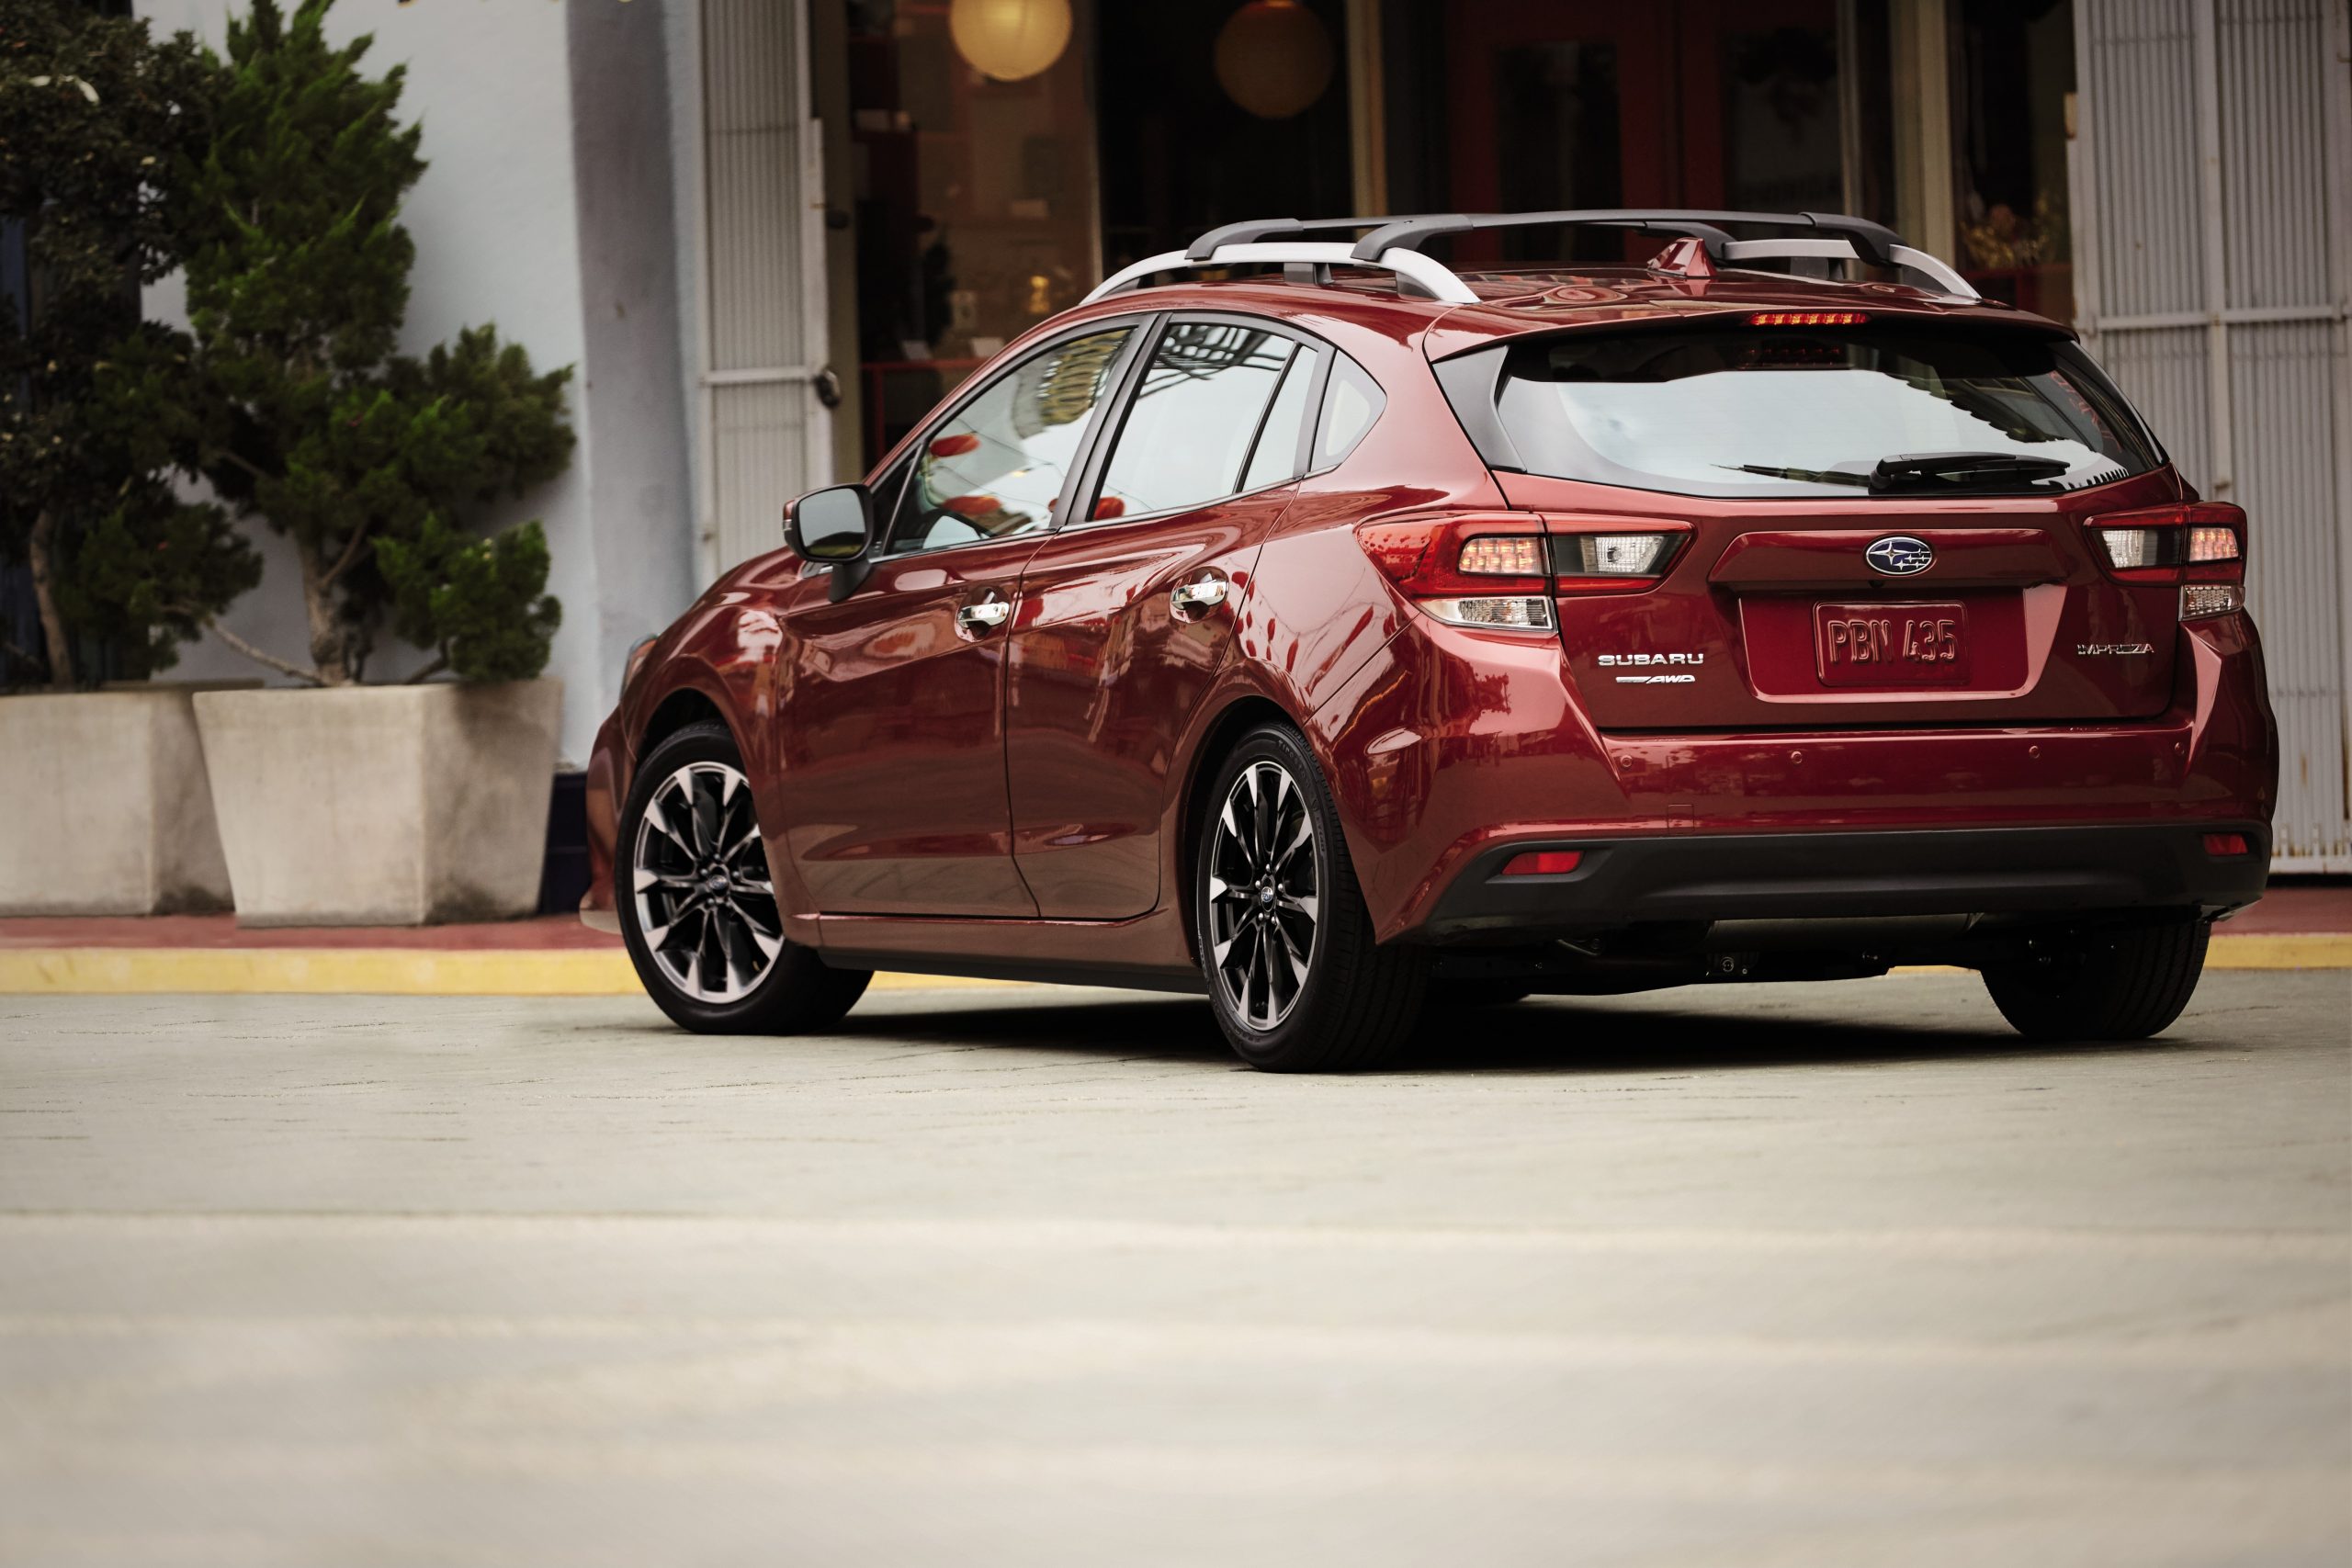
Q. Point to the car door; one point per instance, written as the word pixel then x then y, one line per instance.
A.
pixel 1127 611
pixel 890 705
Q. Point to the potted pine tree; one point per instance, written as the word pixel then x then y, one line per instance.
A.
pixel 343 802
pixel 109 808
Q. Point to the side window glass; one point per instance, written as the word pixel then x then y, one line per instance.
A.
pixel 1188 426
pixel 1350 404
pixel 994 470
pixel 1275 457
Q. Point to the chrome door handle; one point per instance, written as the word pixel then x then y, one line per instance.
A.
pixel 985 616
pixel 1207 594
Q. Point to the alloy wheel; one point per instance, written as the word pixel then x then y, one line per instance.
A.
pixel 1264 895
pixel 703 901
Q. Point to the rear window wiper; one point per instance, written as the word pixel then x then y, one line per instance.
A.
pixel 1807 476
pixel 1961 470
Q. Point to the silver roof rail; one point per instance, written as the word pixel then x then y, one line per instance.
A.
pixel 1393 244
pixel 1432 277
pixel 1946 280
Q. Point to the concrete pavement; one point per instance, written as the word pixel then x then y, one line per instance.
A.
pixel 1800 1275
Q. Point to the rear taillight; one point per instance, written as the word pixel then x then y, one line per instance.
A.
pixel 1468 569
pixel 1499 570
pixel 2199 543
pixel 2203 600
pixel 1612 560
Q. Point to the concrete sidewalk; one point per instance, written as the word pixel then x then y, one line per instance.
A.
pixel 2297 927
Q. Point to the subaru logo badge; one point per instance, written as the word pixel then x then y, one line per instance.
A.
pixel 1899 555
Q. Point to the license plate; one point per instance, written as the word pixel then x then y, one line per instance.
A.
pixel 1891 645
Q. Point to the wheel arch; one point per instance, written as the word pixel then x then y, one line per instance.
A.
pixel 686 705
pixel 1243 714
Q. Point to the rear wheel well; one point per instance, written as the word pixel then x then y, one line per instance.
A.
pixel 1224 734
pixel 678 710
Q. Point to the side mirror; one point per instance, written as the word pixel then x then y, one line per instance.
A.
pixel 829 526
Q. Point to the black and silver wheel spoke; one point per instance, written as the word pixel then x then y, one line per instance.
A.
pixel 1263 895
pixel 703 901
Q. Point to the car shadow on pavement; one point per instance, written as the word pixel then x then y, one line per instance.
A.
pixel 1558 1034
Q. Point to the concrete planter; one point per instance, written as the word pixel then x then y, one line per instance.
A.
pixel 362 806
pixel 108 810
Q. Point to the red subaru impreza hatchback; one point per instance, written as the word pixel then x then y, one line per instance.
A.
pixel 1364 635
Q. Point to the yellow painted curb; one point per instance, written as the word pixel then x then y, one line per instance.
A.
pixel 411 971
pixel 2331 951
pixel 336 971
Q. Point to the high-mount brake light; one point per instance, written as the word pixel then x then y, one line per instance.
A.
pixel 1808 319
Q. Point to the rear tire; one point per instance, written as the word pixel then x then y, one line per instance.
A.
pixel 691 862
pixel 1297 982
pixel 2124 983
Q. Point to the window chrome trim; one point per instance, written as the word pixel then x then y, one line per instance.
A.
pixel 1143 326
pixel 1107 441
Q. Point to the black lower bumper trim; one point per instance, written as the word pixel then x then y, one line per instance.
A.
pixel 1942 871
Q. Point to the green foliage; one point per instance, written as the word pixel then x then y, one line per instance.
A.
pixel 147 575
pixel 100 128
pixel 459 594
pixel 297 291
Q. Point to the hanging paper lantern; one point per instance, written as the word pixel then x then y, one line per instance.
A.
pixel 1273 58
pixel 1008 39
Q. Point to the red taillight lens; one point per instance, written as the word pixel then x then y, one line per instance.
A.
pixel 1543 863
pixel 1502 568
pixel 1496 554
pixel 2222 845
pixel 2203 542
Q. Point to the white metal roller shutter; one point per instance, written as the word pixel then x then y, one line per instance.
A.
pixel 2212 173
pixel 766 437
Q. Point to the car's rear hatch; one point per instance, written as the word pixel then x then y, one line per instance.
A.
pixel 1824 573
pixel 1774 614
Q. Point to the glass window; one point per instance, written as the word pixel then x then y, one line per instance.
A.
pixel 1815 412
pixel 1352 401
pixel 994 470
pixel 1189 428
pixel 971 199
pixel 1275 457
pixel 2013 82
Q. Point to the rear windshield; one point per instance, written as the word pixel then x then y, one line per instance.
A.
pixel 1816 411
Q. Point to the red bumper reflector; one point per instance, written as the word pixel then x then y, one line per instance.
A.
pixel 1544 862
pixel 2226 844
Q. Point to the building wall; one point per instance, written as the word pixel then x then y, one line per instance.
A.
pixel 579 270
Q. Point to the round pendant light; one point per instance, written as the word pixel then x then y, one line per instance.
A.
pixel 1010 39
pixel 1273 58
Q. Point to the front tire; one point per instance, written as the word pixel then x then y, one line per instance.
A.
pixel 1296 981
pixel 697 908
pixel 2123 984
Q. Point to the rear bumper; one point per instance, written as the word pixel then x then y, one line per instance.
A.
pixel 1972 871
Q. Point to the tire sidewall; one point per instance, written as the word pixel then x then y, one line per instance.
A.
pixel 1260 1047
pixel 696 743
